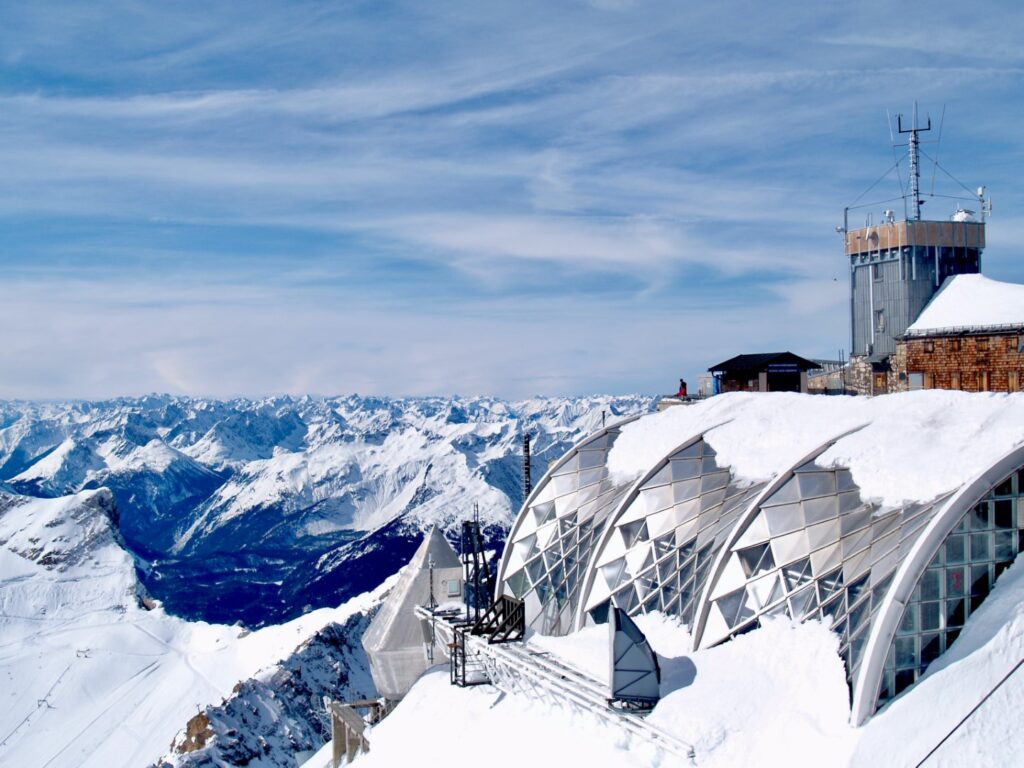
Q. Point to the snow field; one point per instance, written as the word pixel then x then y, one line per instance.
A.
pixel 88 677
pixel 774 697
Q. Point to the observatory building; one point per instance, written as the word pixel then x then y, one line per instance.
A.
pixel 896 267
pixel 747 506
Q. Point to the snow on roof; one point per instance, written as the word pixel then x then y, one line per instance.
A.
pixel 912 446
pixel 972 301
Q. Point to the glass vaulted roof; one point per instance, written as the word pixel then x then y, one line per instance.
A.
pixel 656 553
pixel 550 547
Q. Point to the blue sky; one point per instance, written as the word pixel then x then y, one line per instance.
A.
pixel 430 198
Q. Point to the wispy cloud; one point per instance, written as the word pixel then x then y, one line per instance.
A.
pixel 290 196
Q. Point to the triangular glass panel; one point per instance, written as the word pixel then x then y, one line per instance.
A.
pixel 787 494
pixel 800 601
pixel 662 477
pixel 685 469
pixel 730 606
pixel 613 573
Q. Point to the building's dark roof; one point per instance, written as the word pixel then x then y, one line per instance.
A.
pixel 761 362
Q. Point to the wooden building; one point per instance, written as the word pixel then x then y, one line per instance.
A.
pixel 766 372
pixel 970 337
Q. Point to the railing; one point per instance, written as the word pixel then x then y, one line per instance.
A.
pixel 518 669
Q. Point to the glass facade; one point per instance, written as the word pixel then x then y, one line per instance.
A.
pixel 551 546
pixel 814 550
pixel 658 551
pixel 956 582
pixel 690 541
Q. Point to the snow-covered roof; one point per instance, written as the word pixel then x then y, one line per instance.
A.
pixel 971 302
pixel 749 505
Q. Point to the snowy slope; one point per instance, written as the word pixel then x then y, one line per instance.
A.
pixel 90 677
pixel 774 697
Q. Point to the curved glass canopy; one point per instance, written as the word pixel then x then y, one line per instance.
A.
pixel 690 540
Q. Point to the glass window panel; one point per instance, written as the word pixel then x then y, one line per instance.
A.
pixel 844 481
pixel 517 583
pixel 929 616
pixel 800 602
pixel 980 517
pixel 981 546
pixel 857 616
pixel 903 679
pixel 956 612
pixel 834 607
pixel 1003 514
pixel 980 582
pixel 855 589
pixel 785 495
pixel 908 624
pixel 879 588
pixel 951 637
pixel 729 605
pixel 816 483
pixel 955 549
pixel 752 558
pixel 1005 488
pixel 931 647
pixel 1005 545
pixel 798 573
pixel 535 568
pixel 832 581
pixel 956 584
pixel 906 652
pixel 930 589
pixel 685 469
pixel 784 519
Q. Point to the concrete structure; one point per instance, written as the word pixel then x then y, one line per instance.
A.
pixel 766 372
pixel 397 643
pixel 690 539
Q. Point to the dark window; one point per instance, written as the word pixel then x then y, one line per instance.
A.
pixel 929 346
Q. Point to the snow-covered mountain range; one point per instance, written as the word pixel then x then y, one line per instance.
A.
pixel 258 510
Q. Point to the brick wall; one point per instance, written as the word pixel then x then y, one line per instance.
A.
pixel 973 363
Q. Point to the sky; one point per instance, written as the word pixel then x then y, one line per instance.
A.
pixel 510 199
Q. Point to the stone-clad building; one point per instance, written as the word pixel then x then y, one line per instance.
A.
pixel 970 337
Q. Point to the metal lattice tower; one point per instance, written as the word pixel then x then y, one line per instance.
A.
pixel 915 166
pixel 527 482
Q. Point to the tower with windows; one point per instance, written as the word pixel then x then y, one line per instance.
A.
pixel 896 267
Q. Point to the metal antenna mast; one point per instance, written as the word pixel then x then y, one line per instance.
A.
pixel 915 170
